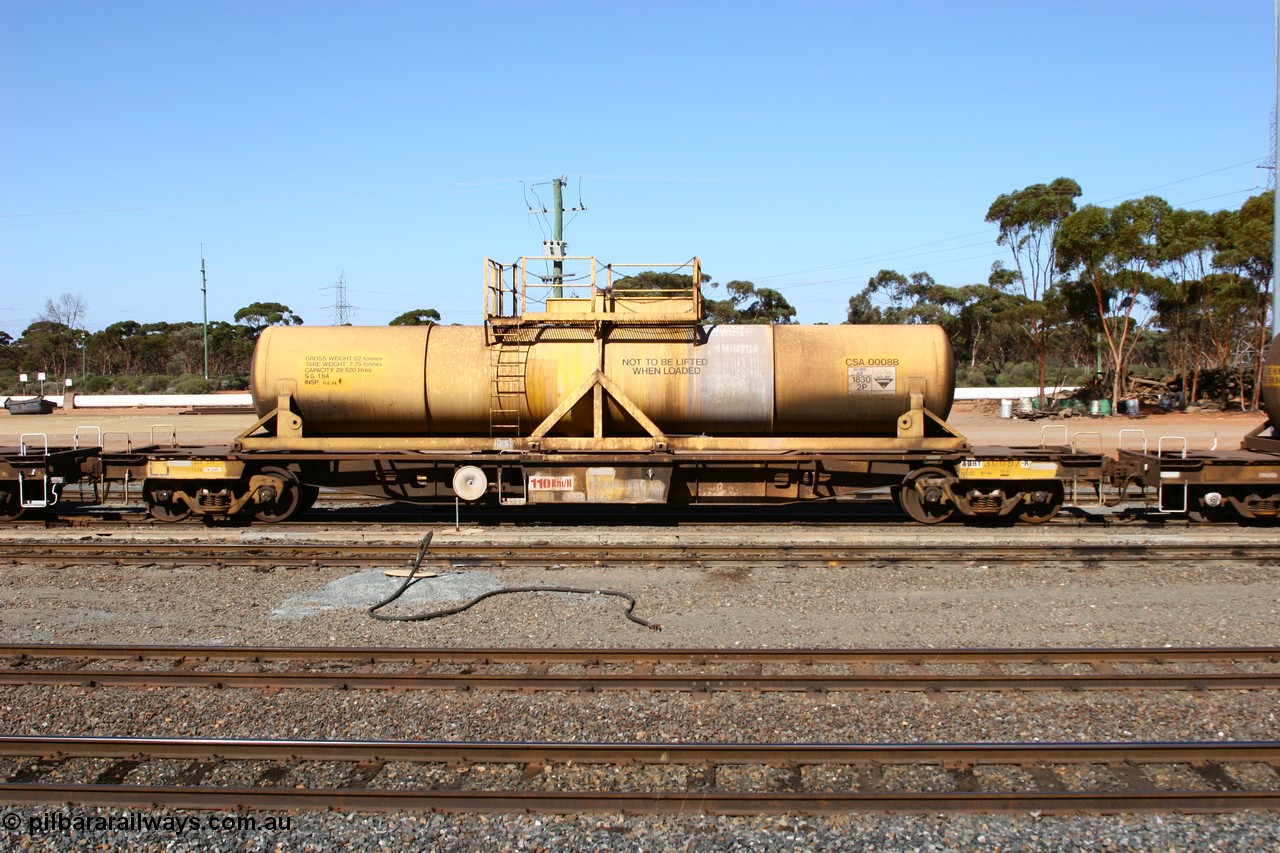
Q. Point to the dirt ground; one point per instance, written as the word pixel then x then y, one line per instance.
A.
pixel 979 421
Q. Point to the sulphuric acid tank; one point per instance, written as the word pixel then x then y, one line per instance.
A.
pixel 710 380
pixel 1271 384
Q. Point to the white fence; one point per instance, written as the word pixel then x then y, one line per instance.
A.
pixel 1008 393
pixel 216 401
pixel 159 401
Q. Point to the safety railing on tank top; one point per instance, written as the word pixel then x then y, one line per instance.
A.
pixel 601 292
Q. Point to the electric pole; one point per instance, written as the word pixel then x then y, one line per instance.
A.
pixel 204 290
pixel 556 248
pixel 557 236
pixel 1275 222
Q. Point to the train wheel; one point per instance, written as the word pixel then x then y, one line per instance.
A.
pixel 162 506
pixel 11 509
pixel 1038 512
pixel 288 502
pixel 922 496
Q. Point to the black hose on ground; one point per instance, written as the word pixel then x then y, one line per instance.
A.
pixel 450 611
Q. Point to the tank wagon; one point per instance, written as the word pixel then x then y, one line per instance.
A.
pixel 617 394
pixel 620 395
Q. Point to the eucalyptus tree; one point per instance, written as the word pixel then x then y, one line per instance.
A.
pixel 912 299
pixel 417 317
pixel 63 322
pixel 749 304
pixel 46 345
pixel 1245 248
pixel 1192 302
pixel 8 353
pixel 230 347
pixel 69 309
pixel 1029 221
pixel 982 320
pixel 992 318
pixel 115 348
pixel 1113 253
pixel 259 315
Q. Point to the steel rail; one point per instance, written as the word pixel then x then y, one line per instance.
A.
pixel 708 800
pixel 62 747
pixel 30 666
pixel 586 683
pixel 495 654
pixel 311 554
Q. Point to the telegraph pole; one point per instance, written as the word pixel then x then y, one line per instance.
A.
pixel 204 290
pixel 1275 223
pixel 557 236
pixel 555 248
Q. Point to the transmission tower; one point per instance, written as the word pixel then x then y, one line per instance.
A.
pixel 342 309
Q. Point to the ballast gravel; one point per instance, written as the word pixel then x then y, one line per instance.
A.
pixel 975 602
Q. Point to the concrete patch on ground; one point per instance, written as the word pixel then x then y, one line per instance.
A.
pixel 362 590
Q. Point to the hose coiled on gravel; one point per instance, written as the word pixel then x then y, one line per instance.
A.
pixel 450 611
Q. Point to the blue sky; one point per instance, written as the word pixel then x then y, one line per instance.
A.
pixel 802 146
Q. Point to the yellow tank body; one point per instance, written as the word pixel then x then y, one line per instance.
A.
pixel 346 379
pixel 1271 383
pixel 856 380
pixel 710 380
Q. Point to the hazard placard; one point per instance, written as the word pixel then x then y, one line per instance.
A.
pixel 880 379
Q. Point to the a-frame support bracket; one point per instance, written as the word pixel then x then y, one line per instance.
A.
pixel 599 384
pixel 281 422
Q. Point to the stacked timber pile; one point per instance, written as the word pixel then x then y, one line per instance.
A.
pixel 1231 389
pixel 1222 387
pixel 1164 393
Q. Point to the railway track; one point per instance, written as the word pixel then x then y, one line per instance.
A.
pixel 687 670
pixel 655 778
pixel 638 777
pixel 295 554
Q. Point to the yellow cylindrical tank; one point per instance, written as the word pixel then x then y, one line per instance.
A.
pixel 1271 383
pixel 345 379
pixel 711 380
pixel 856 380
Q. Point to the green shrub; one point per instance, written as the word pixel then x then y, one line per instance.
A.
pixel 977 376
pixel 1073 375
pixel 1018 375
pixel 192 385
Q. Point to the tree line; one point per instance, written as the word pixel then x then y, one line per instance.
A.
pixel 1186 292
pixel 1183 291
pixel 132 357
